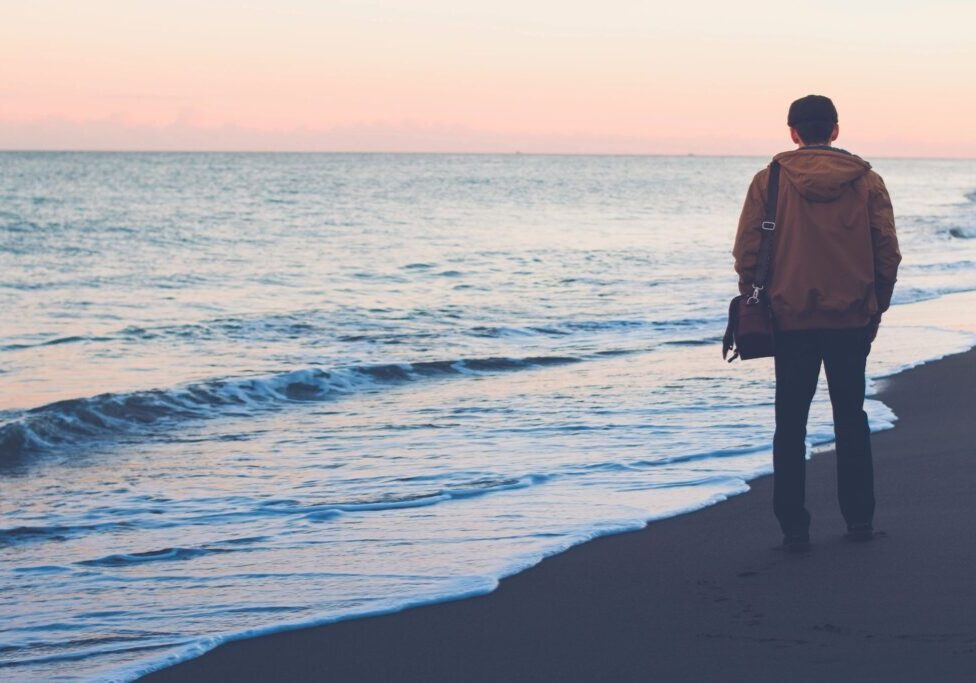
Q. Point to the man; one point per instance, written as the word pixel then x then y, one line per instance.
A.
pixel 834 262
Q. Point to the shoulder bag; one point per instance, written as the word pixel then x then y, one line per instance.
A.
pixel 749 333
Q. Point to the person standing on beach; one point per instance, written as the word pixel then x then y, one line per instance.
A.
pixel 834 262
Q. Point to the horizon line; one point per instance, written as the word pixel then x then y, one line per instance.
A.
pixel 441 153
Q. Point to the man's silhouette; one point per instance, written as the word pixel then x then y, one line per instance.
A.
pixel 834 262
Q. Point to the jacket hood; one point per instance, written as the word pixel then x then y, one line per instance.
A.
pixel 821 174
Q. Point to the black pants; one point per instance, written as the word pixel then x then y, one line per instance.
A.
pixel 799 354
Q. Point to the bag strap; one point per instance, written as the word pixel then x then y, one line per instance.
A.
pixel 768 228
pixel 728 341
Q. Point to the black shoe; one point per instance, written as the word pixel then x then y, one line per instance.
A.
pixel 859 532
pixel 796 543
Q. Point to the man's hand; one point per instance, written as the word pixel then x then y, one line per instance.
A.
pixel 873 327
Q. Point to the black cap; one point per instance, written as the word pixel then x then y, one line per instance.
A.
pixel 812 108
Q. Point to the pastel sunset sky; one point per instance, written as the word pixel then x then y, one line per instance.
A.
pixel 615 76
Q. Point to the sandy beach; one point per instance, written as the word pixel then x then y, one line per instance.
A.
pixel 706 596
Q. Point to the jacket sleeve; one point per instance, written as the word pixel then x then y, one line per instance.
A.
pixel 885 243
pixel 749 235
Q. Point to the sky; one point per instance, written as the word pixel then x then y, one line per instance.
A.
pixel 615 76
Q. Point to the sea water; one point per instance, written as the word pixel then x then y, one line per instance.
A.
pixel 247 392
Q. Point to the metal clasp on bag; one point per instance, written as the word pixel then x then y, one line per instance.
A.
pixel 771 224
pixel 754 299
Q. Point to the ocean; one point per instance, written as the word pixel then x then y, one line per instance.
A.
pixel 241 393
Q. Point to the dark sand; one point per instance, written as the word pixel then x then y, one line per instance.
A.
pixel 706 596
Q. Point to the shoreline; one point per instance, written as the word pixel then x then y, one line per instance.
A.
pixel 690 596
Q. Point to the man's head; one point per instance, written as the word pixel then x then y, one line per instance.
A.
pixel 813 121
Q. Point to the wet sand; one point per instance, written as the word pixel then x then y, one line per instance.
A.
pixel 707 596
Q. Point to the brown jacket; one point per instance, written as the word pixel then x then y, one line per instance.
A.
pixel 835 253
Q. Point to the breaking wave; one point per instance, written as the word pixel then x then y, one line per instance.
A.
pixel 962 233
pixel 72 421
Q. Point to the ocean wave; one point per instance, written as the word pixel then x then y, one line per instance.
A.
pixel 268 327
pixel 320 511
pixel 967 229
pixel 72 421
pixel 164 555
pixel 568 327
pixel 318 325
pixel 316 511
pixel 54 532
pixel 692 342
pixel 138 645
pixel 55 341
pixel 175 554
